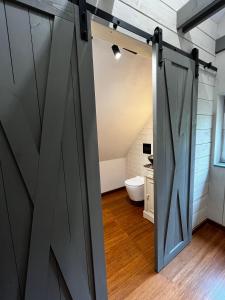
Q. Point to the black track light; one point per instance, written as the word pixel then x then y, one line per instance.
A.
pixel 116 51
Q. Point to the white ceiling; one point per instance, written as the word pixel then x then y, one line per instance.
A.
pixel 123 98
pixel 217 18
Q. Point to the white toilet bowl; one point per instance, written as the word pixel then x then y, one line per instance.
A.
pixel 135 188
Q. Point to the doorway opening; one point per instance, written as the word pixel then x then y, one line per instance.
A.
pixel 124 109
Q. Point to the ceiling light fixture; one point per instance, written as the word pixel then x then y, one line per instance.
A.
pixel 116 51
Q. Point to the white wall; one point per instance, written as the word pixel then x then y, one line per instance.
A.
pixel 203 145
pixel 149 14
pixel 217 174
pixel 123 98
pixel 112 174
pixel 123 104
pixel 135 157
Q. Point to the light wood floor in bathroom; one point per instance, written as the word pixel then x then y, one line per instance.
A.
pixel 197 273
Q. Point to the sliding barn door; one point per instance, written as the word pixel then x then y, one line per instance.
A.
pixel 51 242
pixel 175 92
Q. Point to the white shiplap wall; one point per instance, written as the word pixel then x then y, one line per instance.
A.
pixel 147 15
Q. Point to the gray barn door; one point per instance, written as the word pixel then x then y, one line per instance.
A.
pixel 175 92
pixel 51 241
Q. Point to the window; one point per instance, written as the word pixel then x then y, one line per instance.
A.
pixel 219 149
pixel 222 158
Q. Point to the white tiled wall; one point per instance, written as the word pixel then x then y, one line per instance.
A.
pixel 135 157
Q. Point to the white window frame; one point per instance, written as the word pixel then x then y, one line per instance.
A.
pixel 219 126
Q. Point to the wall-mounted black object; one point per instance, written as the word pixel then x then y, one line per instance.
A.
pixel 131 51
pixel 147 148
pixel 116 51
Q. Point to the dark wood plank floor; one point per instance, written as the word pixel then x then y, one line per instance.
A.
pixel 196 273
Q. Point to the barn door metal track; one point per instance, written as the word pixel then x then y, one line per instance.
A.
pixel 156 38
pixel 83 20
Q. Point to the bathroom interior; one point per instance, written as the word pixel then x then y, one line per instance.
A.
pixel 124 108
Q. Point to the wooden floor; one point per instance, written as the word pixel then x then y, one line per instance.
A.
pixel 197 273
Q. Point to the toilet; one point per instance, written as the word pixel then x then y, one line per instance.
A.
pixel 135 188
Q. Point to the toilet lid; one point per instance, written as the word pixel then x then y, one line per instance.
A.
pixel 136 181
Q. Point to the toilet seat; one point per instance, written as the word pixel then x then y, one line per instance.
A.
pixel 135 188
pixel 136 181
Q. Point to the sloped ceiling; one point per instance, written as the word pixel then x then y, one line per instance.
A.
pixel 123 98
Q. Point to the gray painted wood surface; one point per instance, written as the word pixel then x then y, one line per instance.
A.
pixel 60 8
pixel 50 216
pixel 175 100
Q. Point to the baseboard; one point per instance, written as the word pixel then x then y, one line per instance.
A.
pixel 149 216
pixel 113 191
pixel 216 224
pixel 199 226
pixel 207 221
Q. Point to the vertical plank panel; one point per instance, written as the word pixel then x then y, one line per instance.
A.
pixel 49 159
pixel 9 280
pixel 174 113
pixel 73 190
pixel 89 131
pixel 23 64
pixel 70 200
pixel 41 33
pixel 6 74
pixel 17 130
pixel 81 163
pixel 53 280
pixel 19 215
pixel 36 59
